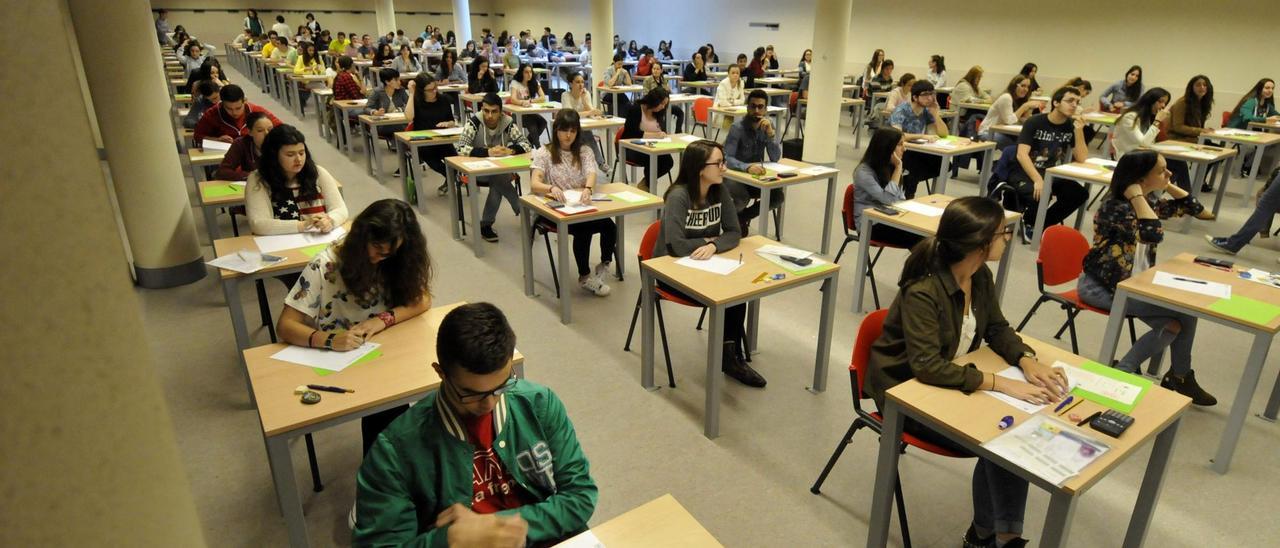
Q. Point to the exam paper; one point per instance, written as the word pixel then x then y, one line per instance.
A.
pixel 817 170
pixel 690 138
pixel 1203 287
pixel 714 265
pixel 1109 388
pixel 1015 373
pixel 447 131
pixel 1048 448
pixel 1101 162
pixel 780 250
pixel 919 208
pixel 778 168
pixel 242 264
pixel 586 539
pixel 269 244
pixel 331 360
pixel 479 164
pixel 1200 154
pixel 210 144
pixel 1079 170
pixel 629 197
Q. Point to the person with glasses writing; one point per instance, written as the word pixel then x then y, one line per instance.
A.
pixel 486 460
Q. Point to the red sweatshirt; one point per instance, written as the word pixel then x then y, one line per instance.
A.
pixel 215 123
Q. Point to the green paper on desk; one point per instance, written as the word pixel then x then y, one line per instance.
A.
pixel 222 191
pixel 1096 368
pixel 422 133
pixel 671 145
pixel 629 197
pixel 515 162
pixel 1244 308
pixel 366 358
pixel 313 250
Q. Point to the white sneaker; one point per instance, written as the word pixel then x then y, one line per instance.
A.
pixel 601 270
pixel 351 517
pixel 596 286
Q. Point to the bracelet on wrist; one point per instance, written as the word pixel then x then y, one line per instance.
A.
pixel 311 337
pixel 328 341
pixel 388 319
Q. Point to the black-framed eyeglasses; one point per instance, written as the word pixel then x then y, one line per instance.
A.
pixel 718 164
pixel 758 106
pixel 472 397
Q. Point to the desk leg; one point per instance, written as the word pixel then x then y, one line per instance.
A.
pixel 526 247
pixel 402 152
pixel 322 106
pixel 454 186
pixel 567 279
pixel 1273 403
pixel 287 490
pixel 1240 406
pixel 1253 175
pixel 231 292
pixel 1152 482
pixel 368 149
pixel 944 175
pixel 620 245
pixel 753 327
pixel 715 378
pixel 1057 522
pixel 886 476
pixel 1006 263
pixel 609 150
pixel 1223 176
pixel 210 222
pixel 344 127
pixel 297 100
pixel 826 219
pixel 1043 206
pixel 419 178
pixel 762 226
pixel 825 326
pixel 1197 173
pixel 987 157
pixel 1115 323
pixel 864 258
pixel 647 287
pixel 857 126
pixel 473 203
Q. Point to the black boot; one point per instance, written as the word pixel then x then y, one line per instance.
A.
pixel 1187 386
pixel 733 366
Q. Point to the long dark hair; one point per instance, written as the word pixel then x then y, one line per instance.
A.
pixel 271 173
pixel 1197 111
pixel 1131 168
pixel 939 62
pixel 531 82
pixel 1144 107
pixel 1026 71
pixel 205 72
pixel 310 54
pixel 876 55
pixel 1012 90
pixel 1131 92
pixel 1256 93
pixel 968 224
pixel 447 61
pixel 379 57
pixel 473 73
pixel 692 162
pixel 422 80
pixel 405 275
pixel 879 154
pixel 567 118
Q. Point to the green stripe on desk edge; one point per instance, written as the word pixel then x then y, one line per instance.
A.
pixel 1244 308
pixel 515 162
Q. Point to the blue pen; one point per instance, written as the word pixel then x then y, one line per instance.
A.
pixel 1063 404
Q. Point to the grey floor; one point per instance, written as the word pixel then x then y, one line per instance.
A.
pixel 749 487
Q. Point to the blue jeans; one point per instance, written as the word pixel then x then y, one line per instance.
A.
pixel 1260 220
pixel 500 187
pixel 999 496
pixel 1093 293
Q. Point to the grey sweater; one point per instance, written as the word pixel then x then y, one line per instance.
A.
pixel 685 228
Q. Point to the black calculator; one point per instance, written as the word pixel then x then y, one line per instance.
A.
pixel 1111 422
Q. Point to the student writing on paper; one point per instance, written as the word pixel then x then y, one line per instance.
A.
pixel 372 279
pixel 1011 107
pixel 1048 140
pixel 647 119
pixel 919 119
pixel 1258 223
pixel 875 183
pixel 205 96
pixel 946 307
pixel 428 109
pixel 241 159
pixel 525 91
pixel 390 98
pixel 1132 214
pixel 698 221
pixel 566 163
pixel 489 459
pixel 491 132
pixel 227 120
pixel 745 149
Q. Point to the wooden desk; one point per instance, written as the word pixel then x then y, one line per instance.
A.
pixel 469 100
pixel 1107 119
pixel 198 159
pixel 659 522
pixel 343 114
pixel 1141 288
pixel 744 178
pixel 772 81
pixel 676 145
pixel 776 113
pixel 323 97
pixel 455 164
pixel 961 107
pixel 370 124
pixel 531 205
pixel 1200 157
pixel 534 109
pixel 610 127
pixel 215 195
pixel 941 149
pixel 409 144
pixel 295 91
pixel 182 99
pixel 683 101
pixel 1008 129
pixel 401 375
pixel 971 420
pixel 718 293
pixel 1097 175
pixel 615 91
pixel 923 225
pixel 700 84
pixel 1258 140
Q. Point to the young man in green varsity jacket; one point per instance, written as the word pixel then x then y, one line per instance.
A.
pixel 486 460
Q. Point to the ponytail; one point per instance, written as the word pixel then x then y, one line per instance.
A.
pixel 920 262
pixel 968 224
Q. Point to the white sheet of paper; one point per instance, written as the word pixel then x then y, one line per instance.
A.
pixel 269 244
pixel 1048 448
pixel 1200 154
pixel 572 196
pixel 629 197
pixel 818 170
pixel 1120 391
pixel 1170 147
pixel 324 359
pixel 447 131
pixel 1263 277
pixel 779 250
pixel 1101 162
pixel 779 168
pixel 690 138
pixel 714 265
pixel 917 207
pixel 586 539
pixel 479 164
pixel 616 119
pixel 210 144
pixel 238 183
pixel 575 209
pixel 237 262
pixel 1078 170
pixel 1203 287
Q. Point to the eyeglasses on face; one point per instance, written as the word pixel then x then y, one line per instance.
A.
pixel 472 397
pixel 718 164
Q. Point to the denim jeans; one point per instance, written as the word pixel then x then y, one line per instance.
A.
pixel 1093 293
pixel 1260 220
pixel 500 186
pixel 999 496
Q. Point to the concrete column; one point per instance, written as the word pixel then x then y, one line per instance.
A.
pixel 89 451
pixel 462 21
pixel 131 99
pixel 385 11
pixel 831 23
pixel 601 37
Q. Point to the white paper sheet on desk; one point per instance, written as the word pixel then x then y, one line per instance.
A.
pixel 779 168
pixel 1232 131
pixel 780 250
pixel 1048 448
pixel 919 208
pixel 1016 374
pixel 629 197
pixel 479 164
pixel 1203 287
pixel 1166 147
pixel 447 131
pixel 331 360
pixel 690 138
pixel 1200 154
pixel 616 119
pixel 1078 170
pixel 714 265
pixel 237 262
pixel 210 144
pixel 817 170
pixel 1115 389
pixel 587 539
pixel 270 244
pixel 575 209
pixel 1101 162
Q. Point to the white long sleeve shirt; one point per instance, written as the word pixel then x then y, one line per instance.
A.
pixel 1129 136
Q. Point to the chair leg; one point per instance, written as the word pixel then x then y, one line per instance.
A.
pixel 316 484
pixel 1071 326
pixel 666 352
pixel 1031 313
pixel 546 238
pixel 777 226
pixel 701 317
pixel 842 246
pixel 835 456
pixel 1133 333
pixel 635 315
pixel 902 512
pixel 871 277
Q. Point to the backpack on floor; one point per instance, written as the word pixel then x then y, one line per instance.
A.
pixel 793 149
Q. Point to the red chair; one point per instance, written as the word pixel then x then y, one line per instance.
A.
pixel 1061 260
pixel 645 253
pixel 868 332
pixel 851 235
pixel 702 113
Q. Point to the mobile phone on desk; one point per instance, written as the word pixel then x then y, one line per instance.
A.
pixel 887 210
pixel 1214 262
pixel 768 178
pixel 786 175
pixel 555 204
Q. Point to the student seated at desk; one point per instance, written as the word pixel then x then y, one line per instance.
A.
pixel 347 84
pixel 806 62
pixel 698 221
pixel 192 56
pixel 1011 107
pixel 1130 215
pixel 1138 128
pixel 617 75
pixel 226 120
pixel 211 69
pixel 480 78
pixel 696 71
pixel 366 51
pixel 428 109
pixel 489 459
pixel 450 70
pixel 647 119
pixel 664 50
pixel 241 159
pixel 754 69
pixel 870 71
pixel 968 89
pixel 511 59
pixel 1084 87
pixel 1188 115
pixel 900 94
pixel 711 56
pixel 288 193
pixel 745 149
pixel 406 61
pixel 339 45
pixel 875 183
pixel 385 56
pixel 644 65
pixel 658 79
pixel 205 93
pixel 882 80
pixel 491 132
pixel 566 163
pixel 947 305
pixel 1048 140
pixel 1259 105
pixel 1118 96
pixel 579 100
pixel 919 120
pixel 526 90
pixel 731 92
pixel 244 39
pixel 269 48
pixel 1029 70
pixel 388 99
pixel 937 71
pixel 309 63
pixel 770 60
pixel 469 52
pixel 283 50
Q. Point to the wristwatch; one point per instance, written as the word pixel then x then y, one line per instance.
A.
pixel 1027 354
